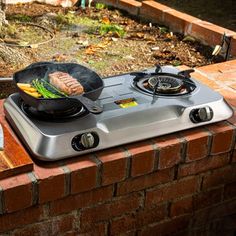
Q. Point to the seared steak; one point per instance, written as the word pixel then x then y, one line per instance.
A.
pixel 65 83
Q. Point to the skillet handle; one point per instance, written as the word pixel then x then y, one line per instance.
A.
pixel 90 105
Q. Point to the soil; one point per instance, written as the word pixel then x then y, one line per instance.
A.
pixel 133 45
pixel 219 12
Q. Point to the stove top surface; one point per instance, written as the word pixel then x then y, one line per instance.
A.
pixel 129 115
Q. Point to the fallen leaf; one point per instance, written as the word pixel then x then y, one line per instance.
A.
pixel 140 35
pixel 114 39
pixel 91 49
pixel 105 20
pixel 83 43
pixel 59 57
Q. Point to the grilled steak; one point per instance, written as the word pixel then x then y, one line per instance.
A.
pixel 65 83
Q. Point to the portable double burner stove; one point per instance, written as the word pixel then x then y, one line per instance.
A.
pixel 136 106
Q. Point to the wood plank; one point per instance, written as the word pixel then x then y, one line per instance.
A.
pixel 15 152
pixel 3 164
pixel 13 158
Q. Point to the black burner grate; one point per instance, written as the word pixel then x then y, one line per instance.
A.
pixel 72 113
pixel 164 84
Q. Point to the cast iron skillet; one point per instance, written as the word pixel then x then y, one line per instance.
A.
pixel 91 81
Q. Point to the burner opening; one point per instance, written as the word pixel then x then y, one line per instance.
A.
pixel 164 85
pixel 73 112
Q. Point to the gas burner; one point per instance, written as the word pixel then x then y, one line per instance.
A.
pixel 72 113
pixel 164 84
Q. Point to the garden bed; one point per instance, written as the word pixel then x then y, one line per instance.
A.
pixel 101 38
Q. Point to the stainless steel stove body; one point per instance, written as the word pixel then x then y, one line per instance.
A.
pixel 129 115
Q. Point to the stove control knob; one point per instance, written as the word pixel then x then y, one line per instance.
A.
pixel 201 114
pixel 87 140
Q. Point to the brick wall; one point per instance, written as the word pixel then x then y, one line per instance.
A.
pixel 179 184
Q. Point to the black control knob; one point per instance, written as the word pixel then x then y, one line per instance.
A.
pixel 85 141
pixel 201 114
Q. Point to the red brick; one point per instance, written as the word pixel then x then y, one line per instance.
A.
pixel 114 165
pixel 178 21
pixel 130 6
pixel 206 199
pixel 227 66
pixel 230 191
pixel 233 84
pixel 233 46
pixel 181 207
pixel 206 215
pixel 106 211
pixel 222 139
pixel 20 218
pixel 143 156
pixel 146 181
pixel 203 165
pixel 136 221
pixel 52 227
pixel 227 77
pixel 219 177
pixel 207 32
pixel 229 95
pixel 84 173
pixel 224 225
pixel 197 144
pixel 171 191
pixel 215 69
pixel 232 120
pixel 17 192
pixel 153 11
pixel 51 182
pixel 130 233
pixel 200 232
pixel 169 151
pixel 234 156
pixel 99 229
pixel 205 79
pixel 71 233
pixel 74 202
pixel 168 227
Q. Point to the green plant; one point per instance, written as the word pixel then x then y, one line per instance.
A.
pixel 176 63
pixel 163 30
pixel 112 28
pixel 100 6
pixel 67 19
pixel 8 30
pixel 20 18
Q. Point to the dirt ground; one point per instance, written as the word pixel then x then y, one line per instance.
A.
pixel 219 12
pixel 105 40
